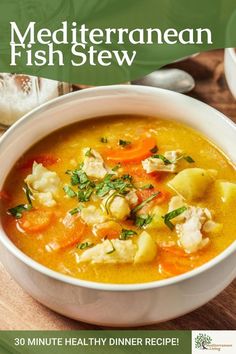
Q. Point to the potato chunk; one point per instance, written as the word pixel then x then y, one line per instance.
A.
pixel 92 215
pixel 192 183
pixel 227 191
pixel 110 251
pixel 147 249
pixel 157 220
pixel 116 205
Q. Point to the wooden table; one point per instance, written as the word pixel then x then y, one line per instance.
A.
pixel 19 311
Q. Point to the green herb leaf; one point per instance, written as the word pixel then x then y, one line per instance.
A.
pixel 18 210
pixel 89 153
pixel 113 248
pixel 171 215
pixel 189 159
pixel 154 149
pixel 104 140
pixel 85 185
pixel 125 234
pixel 69 191
pixel 115 168
pixel 74 211
pixel 147 186
pixel 143 220
pixel 124 143
pixel 84 245
pixel 84 195
pixel 127 177
pixel 28 193
pixel 148 200
pixel 163 158
pixel 121 185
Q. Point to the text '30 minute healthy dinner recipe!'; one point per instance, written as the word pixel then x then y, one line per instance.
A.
pixel 121 200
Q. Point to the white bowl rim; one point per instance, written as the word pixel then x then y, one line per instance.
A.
pixel 232 53
pixel 4 239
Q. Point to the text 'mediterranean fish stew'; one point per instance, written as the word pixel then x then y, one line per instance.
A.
pixel 121 200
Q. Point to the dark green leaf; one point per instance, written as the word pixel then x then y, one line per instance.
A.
pixel 113 248
pixel 84 245
pixel 115 168
pixel 69 191
pixel 121 185
pixel 18 210
pixel 148 200
pixel 171 215
pixel 143 220
pixel 124 143
pixel 189 159
pixel 89 153
pixel 103 140
pixel 127 177
pixel 147 186
pixel 28 193
pixel 84 195
pixel 163 158
pixel 125 234
pixel 74 211
pixel 154 149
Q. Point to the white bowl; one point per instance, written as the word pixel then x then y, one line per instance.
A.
pixel 230 69
pixel 114 304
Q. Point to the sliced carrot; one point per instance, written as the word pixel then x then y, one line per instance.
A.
pixel 171 264
pixel 139 174
pixel 109 229
pixel 45 160
pixel 135 152
pixel 175 250
pixel 35 220
pixel 144 194
pixel 70 237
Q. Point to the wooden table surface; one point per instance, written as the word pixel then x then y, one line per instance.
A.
pixel 18 311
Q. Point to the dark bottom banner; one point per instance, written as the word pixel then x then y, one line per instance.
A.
pixel 91 342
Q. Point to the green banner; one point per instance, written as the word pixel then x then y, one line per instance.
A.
pixel 99 42
pixel 95 342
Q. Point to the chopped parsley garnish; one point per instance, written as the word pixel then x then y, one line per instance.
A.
pixel 154 149
pixel 189 159
pixel 18 210
pixel 69 191
pixel 147 186
pixel 148 200
pixel 104 140
pixel 85 185
pixel 28 193
pixel 84 195
pixel 109 200
pixel 125 234
pixel 84 245
pixel 163 158
pixel 121 185
pixel 171 215
pixel 143 220
pixel 115 168
pixel 89 153
pixel 74 211
pixel 113 248
pixel 127 177
pixel 124 143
